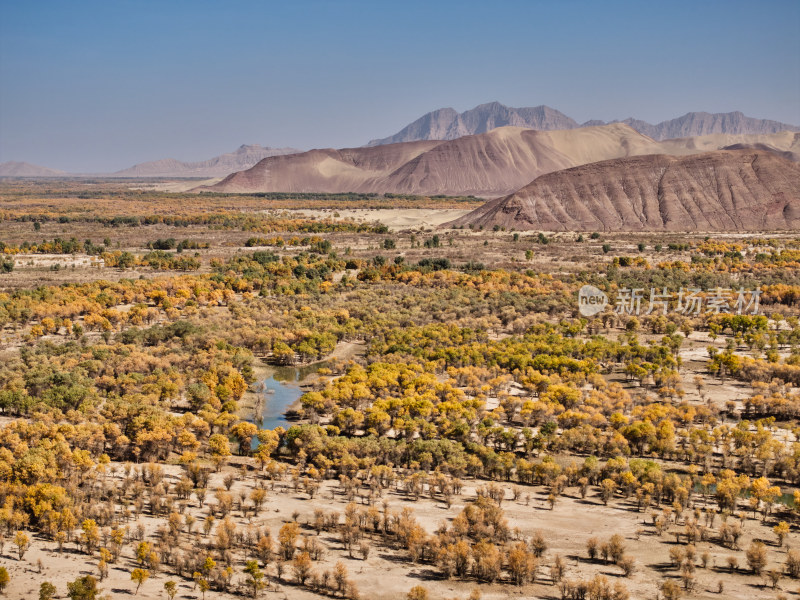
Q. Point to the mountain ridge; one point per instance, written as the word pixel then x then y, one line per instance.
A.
pixel 243 157
pixel 447 123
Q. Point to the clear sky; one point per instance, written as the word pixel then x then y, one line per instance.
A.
pixel 100 85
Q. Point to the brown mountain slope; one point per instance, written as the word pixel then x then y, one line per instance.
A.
pixel 324 171
pixel 740 190
pixel 487 164
pixel 502 160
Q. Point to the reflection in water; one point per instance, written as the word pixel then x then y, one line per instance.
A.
pixel 280 390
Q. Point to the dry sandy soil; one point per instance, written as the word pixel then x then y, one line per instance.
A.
pixel 387 573
pixel 178 185
pixel 395 219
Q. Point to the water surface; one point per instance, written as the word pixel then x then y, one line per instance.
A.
pixel 280 389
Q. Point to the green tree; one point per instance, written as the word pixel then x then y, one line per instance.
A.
pixel 126 260
pixel 83 588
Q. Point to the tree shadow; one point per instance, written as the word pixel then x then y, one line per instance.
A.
pixel 66 551
pixel 617 574
pixel 589 502
pixel 393 558
pixel 766 542
pixel 724 570
pixel 583 559
pixel 662 567
pixel 759 586
pixel 426 574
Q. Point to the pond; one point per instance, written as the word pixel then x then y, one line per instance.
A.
pixel 279 390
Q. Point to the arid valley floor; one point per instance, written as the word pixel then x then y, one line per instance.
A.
pixel 459 427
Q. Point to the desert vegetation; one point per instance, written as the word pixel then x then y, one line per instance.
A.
pixel 479 438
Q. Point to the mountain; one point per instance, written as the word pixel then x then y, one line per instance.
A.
pixel 742 190
pixel 487 164
pixel 702 123
pixel 23 169
pixel 448 124
pixel 243 158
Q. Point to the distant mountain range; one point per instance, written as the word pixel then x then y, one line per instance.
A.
pixel 448 124
pixel 727 190
pixel 23 169
pixel 488 164
pixel 243 158
pixel 219 166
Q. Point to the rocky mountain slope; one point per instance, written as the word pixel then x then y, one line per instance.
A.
pixel 448 124
pixel 243 158
pixel 742 190
pixel 702 123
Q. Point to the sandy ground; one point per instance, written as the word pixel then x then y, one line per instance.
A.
pixel 179 185
pixel 387 573
pixel 395 219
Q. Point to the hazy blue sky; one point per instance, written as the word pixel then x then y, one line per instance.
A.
pixel 99 86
